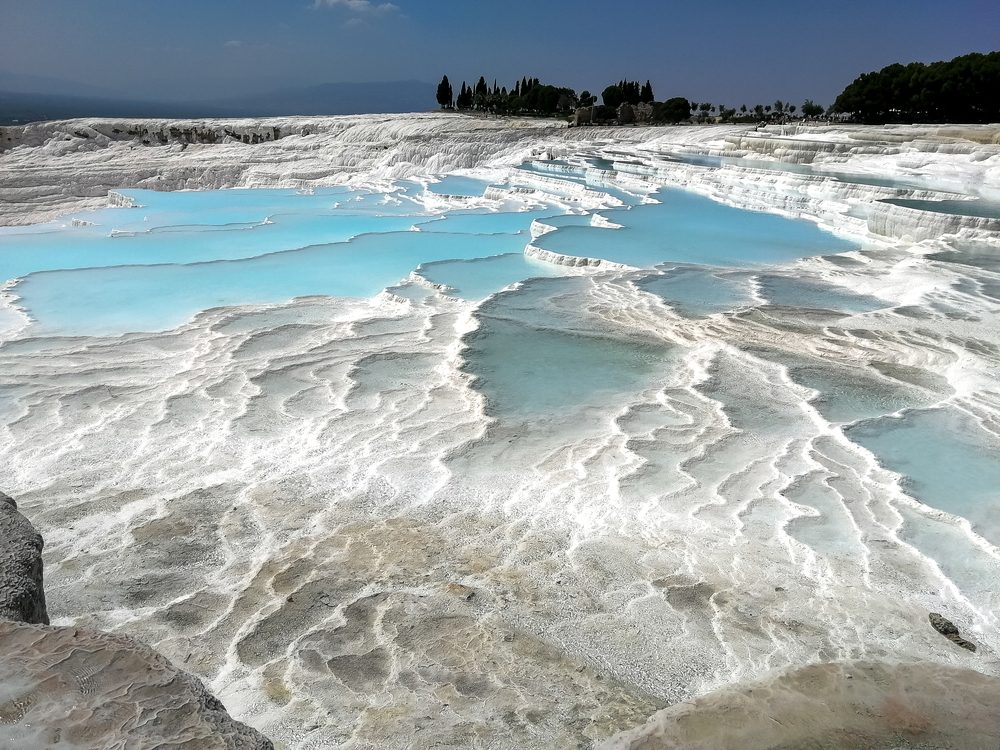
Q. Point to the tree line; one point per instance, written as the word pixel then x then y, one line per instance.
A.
pixel 964 89
pixel 529 96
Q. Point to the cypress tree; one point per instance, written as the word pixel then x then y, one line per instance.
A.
pixel 444 93
pixel 465 97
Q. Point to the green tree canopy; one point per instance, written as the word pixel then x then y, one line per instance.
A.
pixel 672 110
pixel 811 108
pixel 613 96
pixel 964 89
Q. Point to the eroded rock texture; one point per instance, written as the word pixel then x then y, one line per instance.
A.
pixel 74 688
pixel 835 706
pixel 66 687
pixel 22 597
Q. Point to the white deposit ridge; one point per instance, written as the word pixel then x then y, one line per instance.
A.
pixel 601 442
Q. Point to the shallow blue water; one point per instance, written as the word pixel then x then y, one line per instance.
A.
pixel 689 228
pixel 525 370
pixel 697 292
pixel 569 220
pixel 457 185
pixel 469 222
pixel 981 208
pixel 155 266
pixel 140 298
pixel 795 292
pixel 90 247
pixel 847 396
pixel 948 460
pixel 538 353
pixel 481 277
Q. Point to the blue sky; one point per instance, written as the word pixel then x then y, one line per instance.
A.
pixel 708 50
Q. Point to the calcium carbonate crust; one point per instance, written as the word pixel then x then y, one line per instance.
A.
pixel 342 563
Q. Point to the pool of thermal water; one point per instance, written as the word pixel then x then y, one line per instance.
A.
pixel 468 187
pixel 978 207
pixel 948 459
pixel 697 291
pixel 538 355
pixel 157 265
pixel 153 266
pixel 688 228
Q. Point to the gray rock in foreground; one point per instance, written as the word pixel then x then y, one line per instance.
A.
pixel 74 688
pixel 834 706
pixel 22 597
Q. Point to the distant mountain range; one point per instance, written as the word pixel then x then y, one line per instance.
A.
pixel 18 106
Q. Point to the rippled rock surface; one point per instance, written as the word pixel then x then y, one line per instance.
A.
pixel 841 706
pixel 74 688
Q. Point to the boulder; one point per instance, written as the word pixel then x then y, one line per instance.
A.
pixel 74 687
pixel 947 628
pixel 78 688
pixel 22 597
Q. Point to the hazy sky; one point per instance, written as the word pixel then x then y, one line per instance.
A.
pixel 708 50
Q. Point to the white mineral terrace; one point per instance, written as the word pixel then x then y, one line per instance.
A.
pixel 516 466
